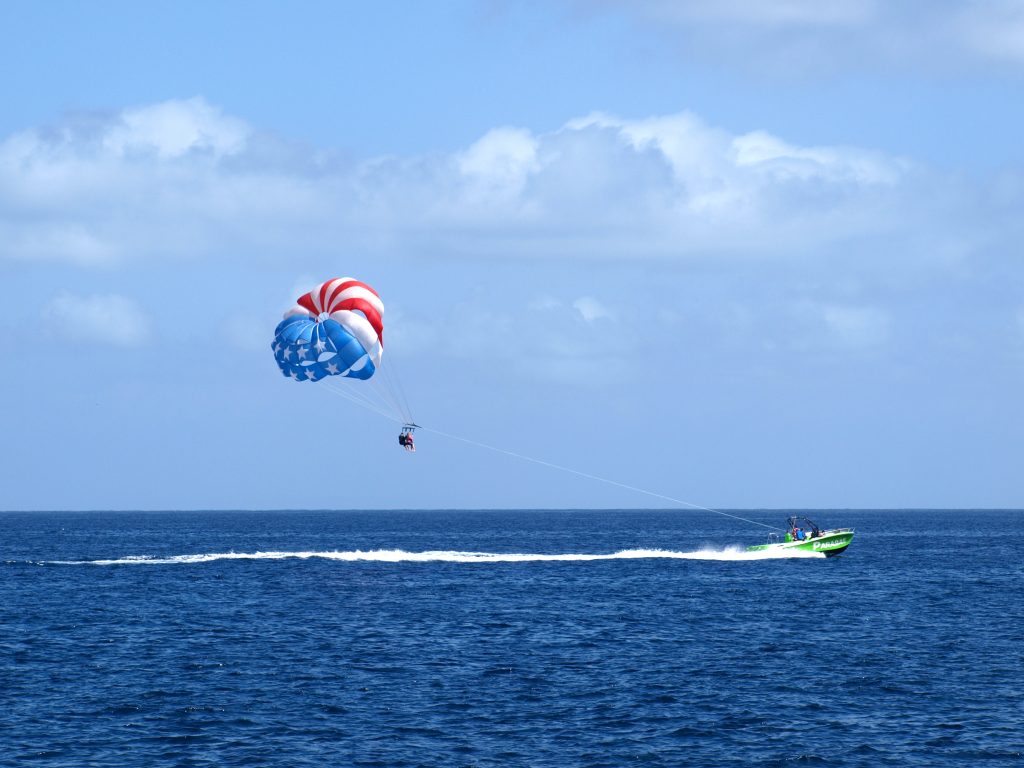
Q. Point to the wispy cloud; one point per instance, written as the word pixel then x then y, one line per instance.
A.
pixel 543 337
pixel 812 36
pixel 857 326
pixel 993 30
pixel 97 318
pixel 766 13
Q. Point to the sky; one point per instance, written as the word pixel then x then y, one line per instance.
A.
pixel 743 254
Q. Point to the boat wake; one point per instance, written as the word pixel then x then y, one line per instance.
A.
pixel 401 556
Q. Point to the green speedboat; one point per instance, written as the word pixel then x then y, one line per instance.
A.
pixel 811 539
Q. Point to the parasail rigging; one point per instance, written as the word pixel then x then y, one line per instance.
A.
pixel 336 332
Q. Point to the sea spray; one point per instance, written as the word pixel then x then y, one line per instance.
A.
pixel 729 554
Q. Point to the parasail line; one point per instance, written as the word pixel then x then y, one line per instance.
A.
pixel 354 311
pixel 362 403
pixel 594 477
pixel 391 371
pixel 384 385
pixel 358 396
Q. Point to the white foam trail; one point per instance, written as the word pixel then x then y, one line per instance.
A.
pixel 401 556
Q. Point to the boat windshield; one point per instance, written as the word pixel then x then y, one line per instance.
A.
pixel 800 528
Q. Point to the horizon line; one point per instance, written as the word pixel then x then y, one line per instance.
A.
pixel 154 510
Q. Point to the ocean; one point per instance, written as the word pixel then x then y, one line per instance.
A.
pixel 508 638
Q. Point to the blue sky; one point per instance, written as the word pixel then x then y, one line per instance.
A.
pixel 743 254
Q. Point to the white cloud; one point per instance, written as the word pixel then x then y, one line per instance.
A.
pixel 590 309
pixel 182 180
pixel 767 154
pixel 174 128
pixel 98 318
pixel 693 150
pixel 501 160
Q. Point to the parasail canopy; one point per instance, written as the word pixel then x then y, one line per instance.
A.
pixel 337 329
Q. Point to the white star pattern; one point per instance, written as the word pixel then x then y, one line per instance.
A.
pixel 314 355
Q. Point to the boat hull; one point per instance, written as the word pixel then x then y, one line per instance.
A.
pixel 830 543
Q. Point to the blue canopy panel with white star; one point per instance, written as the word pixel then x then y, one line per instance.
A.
pixel 310 350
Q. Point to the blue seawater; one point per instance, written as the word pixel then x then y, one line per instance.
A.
pixel 132 639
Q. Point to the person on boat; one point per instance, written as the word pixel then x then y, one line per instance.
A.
pixel 800 535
